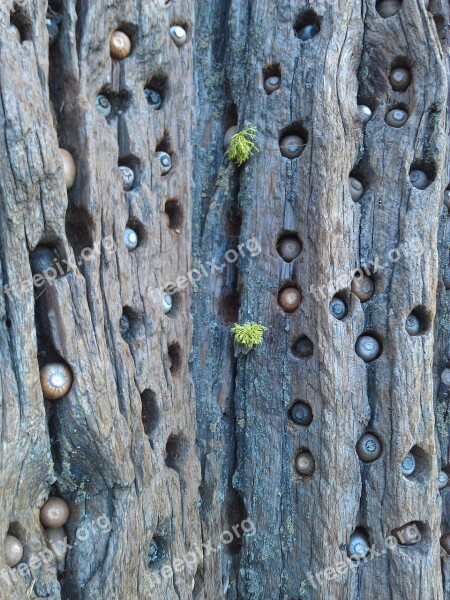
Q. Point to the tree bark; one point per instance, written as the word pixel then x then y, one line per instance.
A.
pixel 175 448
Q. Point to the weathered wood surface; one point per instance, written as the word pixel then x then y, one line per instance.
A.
pixel 132 442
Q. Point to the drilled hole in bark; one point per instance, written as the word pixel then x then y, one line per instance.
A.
pixel 130 323
pixel 150 411
pixel 301 413
pixel 229 307
pixel 157 551
pixel 79 231
pixel 388 8
pixel 174 215
pixel 293 140
pixel 307 25
pixel 303 348
pixel 422 174
pixel 177 449
pixel 155 90
pixel 22 23
pixel 415 535
pixel 416 465
pixel 271 78
pixel 46 267
pixel 289 246
pixel 236 517
pixel 419 321
pixel 8 322
pixel 175 358
pixel 233 222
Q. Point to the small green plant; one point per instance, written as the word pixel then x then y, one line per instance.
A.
pixel 249 334
pixel 242 145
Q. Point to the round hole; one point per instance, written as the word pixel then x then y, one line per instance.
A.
pixel 388 8
pixel 303 348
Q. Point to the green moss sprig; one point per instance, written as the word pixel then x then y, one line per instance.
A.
pixel 249 334
pixel 242 145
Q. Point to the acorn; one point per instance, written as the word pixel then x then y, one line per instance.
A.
pixel 445 542
pixel 400 79
pixel 52 28
pixel 447 199
pixel 388 8
pixel 153 98
pixel 54 513
pixel 15 33
pixel 445 377
pixel 229 133
pixel 301 414
pixel 291 146
pixel 363 287
pixel 365 114
pixel 308 31
pixel 304 348
pixel 408 465
pixel 178 34
pixel 358 545
pixel 41 259
pixel 56 380
pixel 103 105
pixel 412 325
pixel 289 299
pixel 130 238
pixel 305 463
pixel 153 552
pixel 57 542
pixel 289 248
pixel 338 308
pixel 396 117
pixel 119 45
pixel 356 188
pixel 272 84
pixel 419 179
pixel 13 550
pixel 167 302
pixel 369 447
pixel 124 324
pixel 408 534
pixel 442 480
pixel 127 177
pixel 69 169
pixel 367 348
pixel 165 162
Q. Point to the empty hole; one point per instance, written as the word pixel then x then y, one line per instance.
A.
pixel 301 413
pixel 293 140
pixel 388 8
pixel 272 78
pixel 229 307
pixel 303 348
pixel 417 461
pixel 175 358
pixel 155 90
pixel 174 215
pixel 79 231
pixel 289 246
pixel 21 23
pixel 307 25
pixel 157 551
pixel 233 222
pixel 177 449
pixel 422 174
pixel 8 322
pixel 235 516
pixel 414 534
pixel 418 322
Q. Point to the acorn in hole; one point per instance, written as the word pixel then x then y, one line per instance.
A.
pixel 289 299
pixel 229 133
pixel 127 177
pixel 308 31
pixel 338 308
pixel 153 552
pixel 178 34
pixel 400 79
pixel 419 179
pixel 305 463
pixel 358 545
pixel 445 542
pixel 408 465
pixel 165 162
pixel 54 513
pixel 289 248
pixel 369 447
pixel 442 480
pixel 124 324
pixel 407 535
pixel 365 114
pixel 15 33
pixel 57 542
pixel 119 45
pixel 103 105
pixel 56 380
pixel 153 98
pixel 13 550
pixel 412 325
pixel 272 84
pixel 130 238
pixel 304 348
pixel 41 259
pixel 396 117
pixel 447 199
pixel 167 302
pixel 52 21
pixel 363 287
pixel 69 169
pixel 445 377
pixel 301 414
pixel 291 146
pixel 356 188
pixel 388 8
pixel 367 348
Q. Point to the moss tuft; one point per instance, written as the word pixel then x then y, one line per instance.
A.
pixel 242 145
pixel 249 334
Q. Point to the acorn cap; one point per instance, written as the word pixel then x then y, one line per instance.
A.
pixel 289 299
pixel 289 247
pixel 56 380
pixel 54 513
pixel 13 550
pixel 119 45
pixel 369 447
pixel 69 169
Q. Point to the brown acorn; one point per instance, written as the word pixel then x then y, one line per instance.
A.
pixel 119 45
pixel 289 247
pixel 400 79
pixel 305 463
pixel 69 169
pixel 291 146
pixel 363 287
pixel 369 447
pixel 54 513
pixel 289 298
pixel 13 550
pixel 396 117
pixel 56 380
